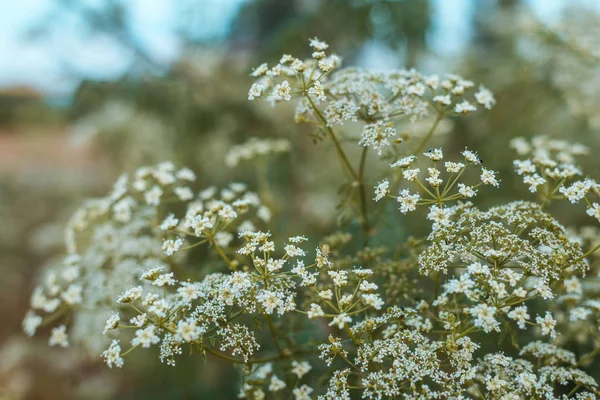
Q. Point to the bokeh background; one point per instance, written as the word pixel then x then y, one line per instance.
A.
pixel 91 88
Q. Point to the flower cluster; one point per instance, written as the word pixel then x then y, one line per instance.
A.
pixel 436 189
pixel 112 240
pixel 362 312
pixel 254 148
pixel 551 167
pixel 328 96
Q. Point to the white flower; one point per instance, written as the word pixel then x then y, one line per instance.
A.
pixel 184 193
pixel 164 280
pixel 340 320
pixel 382 189
pixel 377 135
pixel 145 337
pixel 547 324
pixel 300 368
pixel 111 323
pixel 484 317
pixel 302 393
pixel 169 222
pixel 151 274
pixel 471 157
pixel 189 330
pixel 533 181
pixel 403 162
pixel 31 323
pixel 171 246
pixel 186 174
pixel 443 99
pixel 270 300
pixel 72 295
pixel 264 213
pixel 315 311
pixel 256 90
pixel 466 191
pixel 223 239
pixel 276 384
pixel 282 91
pixel 318 44
pixel 130 295
pixel 485 97
pixel 340 278
pixel 434 154
pixel 488 177
pixel 317 91
pixel 407 201
pixel 464 107
pixel 411 174
pixel 326 294
pixel 453 167
pixel 153 196
pixel 373 300
pixel 594 211
pixel 139 320
pixel 524 167
pixel 59 337
pixel 112 356
pixel 260 70
pixel 579 314
pixel 520 315
pixel 577 190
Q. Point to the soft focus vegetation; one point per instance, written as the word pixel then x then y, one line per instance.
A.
pixel 312 166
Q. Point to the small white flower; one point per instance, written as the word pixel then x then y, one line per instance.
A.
pixel 434 154
pixel 276 384
pixel 112 323
pixel 407 201
pixel 340 320
pixel 315 311
pixel 464 107
pixel 112 356
pixel 169 222
pixel 485 97
pixel 145 337
pixel 31 323
pixel 547 324
pixel 184 193
pixel 59 337
pixel 488 177
pixel 153 196
pixel 382 189
pixel 594 211
pixel 172 246
pixel 300 368
pixel 282 91
pixel 188 330
pixel 403 162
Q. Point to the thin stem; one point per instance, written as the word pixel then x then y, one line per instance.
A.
pixel 592 354
pixel 430 133
pixel 273 334
pixel 220 251
pixel 363 197
pixel 251 360
pixel 336 142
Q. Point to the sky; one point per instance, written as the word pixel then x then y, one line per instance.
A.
pixel 51 64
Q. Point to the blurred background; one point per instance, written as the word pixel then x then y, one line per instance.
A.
pixel 91 88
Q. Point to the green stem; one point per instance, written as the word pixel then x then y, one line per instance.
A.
pixel 430 133
pixel 273 335
pixel 363 197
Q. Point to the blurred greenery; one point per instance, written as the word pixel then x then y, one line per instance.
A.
pixel 193 110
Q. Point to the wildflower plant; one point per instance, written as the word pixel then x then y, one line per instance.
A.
pixel 413 321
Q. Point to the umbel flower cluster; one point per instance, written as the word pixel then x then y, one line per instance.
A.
pixel 493 303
